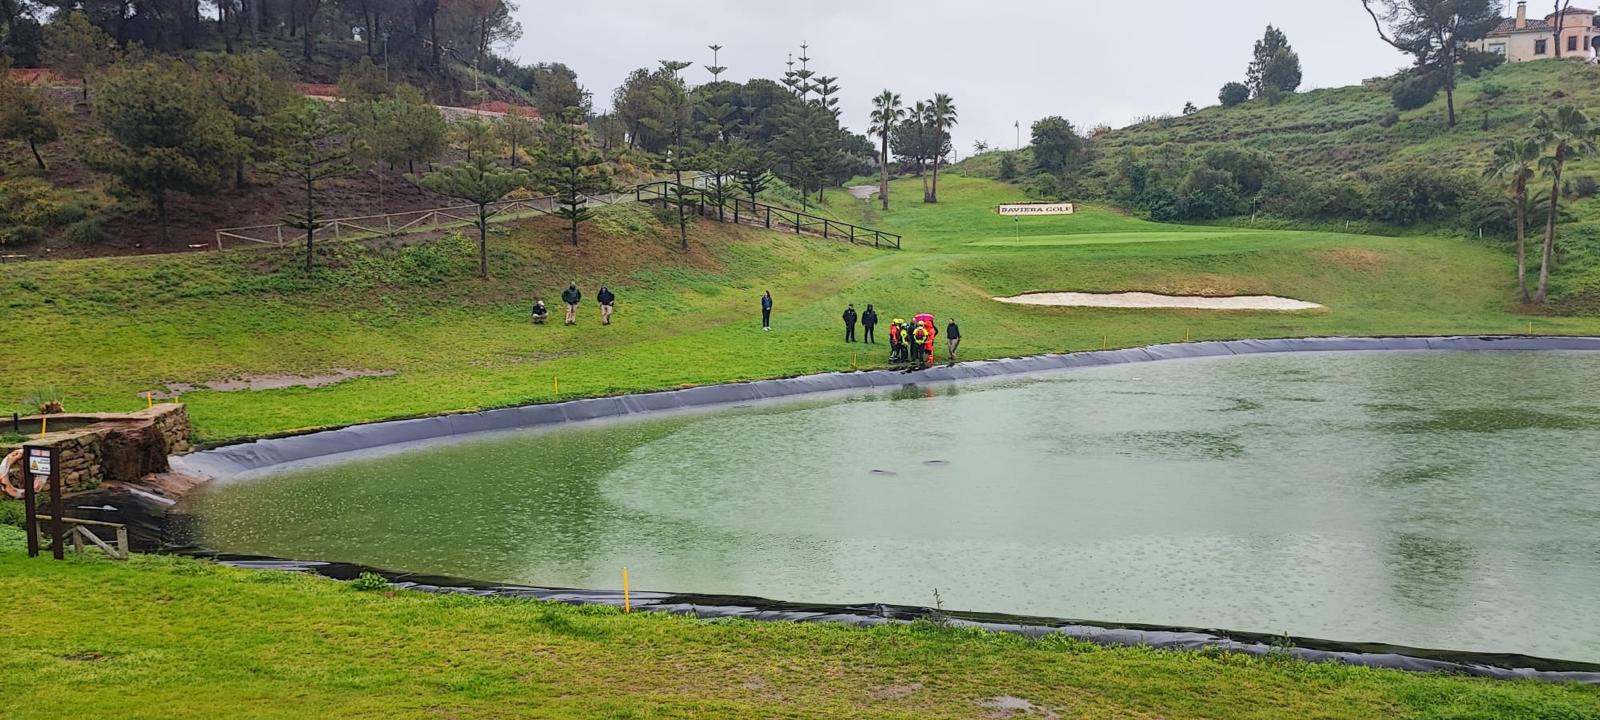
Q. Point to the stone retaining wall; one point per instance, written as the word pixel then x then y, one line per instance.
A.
pixel 120 447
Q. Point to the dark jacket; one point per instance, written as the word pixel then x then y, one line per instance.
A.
pixel 869 318
pixel 606 297
pixel 766 302
pixel 951 332
pixel 571 295
pixel 850 316
pixel 539 309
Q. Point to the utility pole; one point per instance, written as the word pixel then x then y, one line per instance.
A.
pixel 1019 135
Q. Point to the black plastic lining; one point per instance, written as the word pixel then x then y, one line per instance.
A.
pixel 233 459
pixel 1489 665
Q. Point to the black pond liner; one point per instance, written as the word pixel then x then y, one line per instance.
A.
pixel 157 527
pixel 1374 655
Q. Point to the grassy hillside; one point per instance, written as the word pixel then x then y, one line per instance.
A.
pixel 190 639
pixel 110 329
pixel 1355 132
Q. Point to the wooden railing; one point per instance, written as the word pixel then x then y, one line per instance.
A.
pixel 744 211
pixel 80 531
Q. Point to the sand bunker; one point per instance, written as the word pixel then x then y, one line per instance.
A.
pixel 271 382
pixel 1152 300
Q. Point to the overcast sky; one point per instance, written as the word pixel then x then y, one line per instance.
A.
pixel 1091 61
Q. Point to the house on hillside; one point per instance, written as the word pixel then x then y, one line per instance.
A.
pixel 1520 39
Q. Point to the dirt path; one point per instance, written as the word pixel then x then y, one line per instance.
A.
pixel 862 192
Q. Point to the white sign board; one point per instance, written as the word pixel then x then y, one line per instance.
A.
pixel 39 462
pixel 1026 209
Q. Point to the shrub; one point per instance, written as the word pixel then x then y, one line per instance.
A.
pixel 1232 94
pixel 1478 62
pixel 1415 92
pixel 20 235
pixel 1586 186
pixel 1390 120
pixel 10 511
pixel 88 231
pixel 1411 195
pixel 1008 167
pixel 369 582
pixel 1490 91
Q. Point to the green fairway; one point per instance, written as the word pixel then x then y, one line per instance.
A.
pixel 161 637
pixel 104 331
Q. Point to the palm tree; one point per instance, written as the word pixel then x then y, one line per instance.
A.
pixel 919 116
pixel 941 115
pixel 887 111
pixel 1572 135
pixel 1513 163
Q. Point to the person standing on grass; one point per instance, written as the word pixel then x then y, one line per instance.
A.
pixel 952 335
pixel 850 323
pixel 766 310
pixel 571 296
pixel 869 320
pixel 606 298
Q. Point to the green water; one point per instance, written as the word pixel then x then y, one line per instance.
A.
pixel 1447 500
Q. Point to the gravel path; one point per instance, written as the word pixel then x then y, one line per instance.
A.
pixel 862 192
pixel 1152 300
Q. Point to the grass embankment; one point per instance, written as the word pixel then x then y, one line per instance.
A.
pixel 103 331
pixel 1329 133
pixel 173 638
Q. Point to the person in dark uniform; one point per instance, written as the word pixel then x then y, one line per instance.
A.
pixel 571 296
pixel 952 336
pixel 540 312
pixel 766 310
pixel 607 299
pixel 869 320
pixel 850 323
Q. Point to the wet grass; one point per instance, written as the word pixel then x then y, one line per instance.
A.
pixel 175 638
pixel 104 331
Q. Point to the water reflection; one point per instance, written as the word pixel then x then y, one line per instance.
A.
pixel 1418 499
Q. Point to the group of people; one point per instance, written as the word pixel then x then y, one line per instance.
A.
pixel 911 342
pixel 571 297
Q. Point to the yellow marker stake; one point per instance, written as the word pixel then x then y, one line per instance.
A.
pixel 149 400
pixel 44 424
pixel 1105 342
pixel 852 361
pixel 556 383
pixel 627 604
pixel 1186 334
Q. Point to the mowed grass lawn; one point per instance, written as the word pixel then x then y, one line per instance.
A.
pixel 164 637
pixel 103 331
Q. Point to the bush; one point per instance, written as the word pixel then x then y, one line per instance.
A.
pixel 1232 94
pixel 1415 92
pixel 10 511
pixel 1478 62
pixel 20 235
pixel 1332 200
pixel 369 582
pixel 1008 167
pixel 1390 120
pixel 1412 195
pixel 1586 186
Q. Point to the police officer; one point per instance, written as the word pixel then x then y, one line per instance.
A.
pixel 869 320
pixel 850 323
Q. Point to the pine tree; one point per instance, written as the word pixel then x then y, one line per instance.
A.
pixel 26 115
pixel 481 182
pixel 75 48
pixel 315 148
pixel 578 172
pixel 165 133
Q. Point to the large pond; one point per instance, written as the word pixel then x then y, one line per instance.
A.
pixel 1440 499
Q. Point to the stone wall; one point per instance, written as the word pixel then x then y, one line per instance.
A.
pixel 114 447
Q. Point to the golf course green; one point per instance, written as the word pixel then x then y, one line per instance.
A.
pixel 102 332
